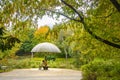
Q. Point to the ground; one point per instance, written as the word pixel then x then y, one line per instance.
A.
pixel 36 74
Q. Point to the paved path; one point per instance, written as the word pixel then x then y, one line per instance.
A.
pixel 35 74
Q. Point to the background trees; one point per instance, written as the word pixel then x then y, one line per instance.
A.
pixel 30 10
pixel 99 18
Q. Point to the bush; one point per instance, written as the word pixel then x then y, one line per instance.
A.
pixel 20 63
pixel 100 69
pixel 4 62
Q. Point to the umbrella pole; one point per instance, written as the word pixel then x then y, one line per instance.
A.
pixel 32 55
pixel 66 56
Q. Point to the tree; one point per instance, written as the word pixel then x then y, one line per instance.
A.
pixel 22 10
pixel 28 43
pixel 42 33
pixel 7 41
pixel 82 20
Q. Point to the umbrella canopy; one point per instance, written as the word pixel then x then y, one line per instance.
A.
pixel 46 47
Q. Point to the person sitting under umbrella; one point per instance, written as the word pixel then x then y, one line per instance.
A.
pixel 44 65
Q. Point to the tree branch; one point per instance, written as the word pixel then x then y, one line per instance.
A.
pixel 106 15
pixel 71 7
pixel 61 14
pixel 100 39
pixel 85 25
pixel 89 31
pixel 116 4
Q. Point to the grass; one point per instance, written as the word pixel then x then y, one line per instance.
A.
pixel 58 63
pixel 27 62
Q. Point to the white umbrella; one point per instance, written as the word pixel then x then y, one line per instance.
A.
pixel 45 47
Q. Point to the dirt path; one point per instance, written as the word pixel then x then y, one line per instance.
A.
pixel 35 74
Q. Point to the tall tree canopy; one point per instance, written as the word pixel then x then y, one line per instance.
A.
pixel 93 14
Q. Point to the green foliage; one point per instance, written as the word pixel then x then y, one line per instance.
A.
pixel 100 69
pixel 89 47
pixel 35 62
pixel 25 62
pixel 104 21
pixel 62 63
pixel 1 31
pixel 4 63
pixel 77 62
pixel 7 41
pixel 9 53
pixel 19 63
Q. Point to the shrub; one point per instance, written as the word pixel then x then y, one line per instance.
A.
pixel 100 69
pixel 22 63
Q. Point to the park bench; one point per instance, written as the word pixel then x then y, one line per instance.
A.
pixel 2 67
